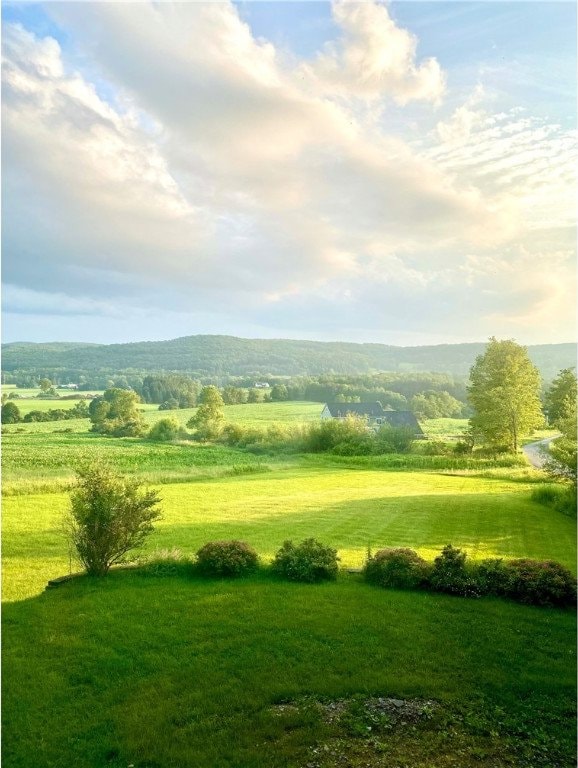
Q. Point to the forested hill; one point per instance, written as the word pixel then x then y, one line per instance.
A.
pixel 222 355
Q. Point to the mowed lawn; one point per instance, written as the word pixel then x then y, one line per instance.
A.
pixel 348 509
pixel 172 672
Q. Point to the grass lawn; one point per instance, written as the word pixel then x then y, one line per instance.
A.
pixel 178 672
pixel 165 672
pixel 349 509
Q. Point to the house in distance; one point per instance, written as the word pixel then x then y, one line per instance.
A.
pixel 375 415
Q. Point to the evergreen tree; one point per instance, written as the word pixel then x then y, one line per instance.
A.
pixel 504 393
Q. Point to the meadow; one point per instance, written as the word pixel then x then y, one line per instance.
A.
pixel 179 671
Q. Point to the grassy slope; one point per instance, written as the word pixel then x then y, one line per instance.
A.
pixel 178 672
pixel 347 509
pixel 163 673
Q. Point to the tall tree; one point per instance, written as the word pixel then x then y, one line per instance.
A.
pixel 562 388
pixel 563 450
pixel 116 413
pixel 209 419
pixel 504 393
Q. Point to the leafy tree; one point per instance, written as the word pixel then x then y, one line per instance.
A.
pixel 279 392
pixel 109 516
pixel 165 430
pixel 235 395
pixel 435 405
pixel 504 393
pixel 45 385
pixel 209 419
pixel 10 413
pixel 116 413
pixel 563 450
pixel 555 400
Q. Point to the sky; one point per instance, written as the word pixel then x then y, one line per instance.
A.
pixel 400 173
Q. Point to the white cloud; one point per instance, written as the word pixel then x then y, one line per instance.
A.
pixel 374 59
pixel 219 179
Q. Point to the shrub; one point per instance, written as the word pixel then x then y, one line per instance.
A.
pixel 435 448
pixel 540 583
pixel 226 558
pixel 165 430
pixel 309 561
pixel 492 577
pixel 391 439
pixel 449 574
pixel 399 568
pixel 327 435
pixel 109 517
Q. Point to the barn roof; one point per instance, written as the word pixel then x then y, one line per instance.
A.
pixel 402 419
pixel 340 410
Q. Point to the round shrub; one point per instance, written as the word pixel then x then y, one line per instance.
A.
pixel 492 577
pixel 165 430
pixel 226 558
pixel 449 574
pixel 398 568
pixel 309 561
pixel 540 583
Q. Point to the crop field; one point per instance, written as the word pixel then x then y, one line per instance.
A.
pixel 177 671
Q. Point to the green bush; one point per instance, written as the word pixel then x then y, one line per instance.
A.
pixel 492 577
pixel 435 448
pixel 449 574
pixel 540 583
pixel 109 516
pixel 226 558
pixel 309 561
pixel 327 435
pixel 165 430
pixel 390 439
pixel 398 568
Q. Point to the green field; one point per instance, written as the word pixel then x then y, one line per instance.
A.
pixel 176 671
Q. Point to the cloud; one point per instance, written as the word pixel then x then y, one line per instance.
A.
pixel 213 177
pixel 374 59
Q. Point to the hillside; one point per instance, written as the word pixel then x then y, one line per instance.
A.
pixel 218 355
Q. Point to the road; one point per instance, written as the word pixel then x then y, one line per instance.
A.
pixel 538 453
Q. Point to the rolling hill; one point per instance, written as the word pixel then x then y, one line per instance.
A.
pixel 219 355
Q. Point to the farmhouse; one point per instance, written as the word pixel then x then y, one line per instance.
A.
pixel 375 415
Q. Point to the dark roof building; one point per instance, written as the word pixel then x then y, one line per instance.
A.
pixel 341 410
pixel 375 415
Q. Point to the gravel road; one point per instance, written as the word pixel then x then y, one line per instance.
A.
pixel 538 453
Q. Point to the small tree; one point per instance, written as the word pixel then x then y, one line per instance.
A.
pixel 209 420
pixel 45 385
pixel 165 430
pixel 10 413
pixel 109 516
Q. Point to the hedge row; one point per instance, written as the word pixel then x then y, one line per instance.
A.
pixel 533 582
pixel 527 581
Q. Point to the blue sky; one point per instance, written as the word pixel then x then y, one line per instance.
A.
pixel 400 173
